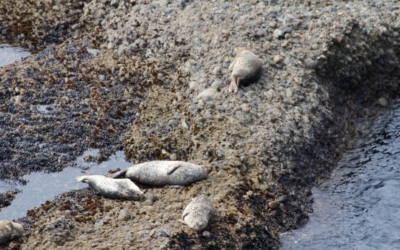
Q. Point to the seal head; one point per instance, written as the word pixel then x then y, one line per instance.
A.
pixel 112 188
pixel 198 212
pixel 246 68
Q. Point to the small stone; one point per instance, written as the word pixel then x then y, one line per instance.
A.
pixel 289 92
pixel 87 158
pixel 217 70
pixel 273 204
pixel 110 46
pixel 173 122
pixel 208 93
pixel 99 158
pixel 383 102
pixel 272 2
pixel 277 59
pixel 312 64
pixel 210 105
pixel 56 8
pixel 217 84
pixel 245 107
pixel 270 94
pixel 193 85
pixel 283 198
pixel 184 124
pixel 173 157
pixel 278 33
pixel 253 151
pixel 206 234
pixel 123 215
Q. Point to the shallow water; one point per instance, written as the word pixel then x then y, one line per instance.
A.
pixel 10 54
pixel 41 187
pixel 358 208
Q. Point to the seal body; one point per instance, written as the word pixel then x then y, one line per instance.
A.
pixel 197 213
pixel 10 231
pixel 160 173
pixel 246 68
pixel 112 188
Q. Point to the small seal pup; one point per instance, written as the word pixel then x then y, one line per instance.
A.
pixel 198 212
pixel 160 173
pixel 112 188
pixel 10 231
pixel 246 68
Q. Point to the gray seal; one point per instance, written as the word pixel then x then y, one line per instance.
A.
pixel 198 212
pixel 160 173
pixel 246 68
pixel 112 188
pixel 10 231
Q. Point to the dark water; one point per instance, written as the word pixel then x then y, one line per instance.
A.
pixel 359 207
pixel 10 54
pixel 42 187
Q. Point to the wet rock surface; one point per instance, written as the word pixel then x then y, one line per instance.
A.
pixel 151 78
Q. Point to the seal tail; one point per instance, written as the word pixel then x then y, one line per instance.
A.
pixel 119 174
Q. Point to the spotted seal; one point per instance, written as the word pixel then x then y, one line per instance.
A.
pixel 10 231
pixel 112 188
pixel 198 212
pixel 160 173
pixel 246 68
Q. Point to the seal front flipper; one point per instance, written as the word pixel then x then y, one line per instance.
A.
pixel 171 169
pixel 184 214
pixel 119 174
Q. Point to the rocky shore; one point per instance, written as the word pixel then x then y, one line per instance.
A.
pixel 151 78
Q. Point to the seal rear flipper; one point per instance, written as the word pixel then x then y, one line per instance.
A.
pixel 172 168
pixel 80 178
pixel 120 174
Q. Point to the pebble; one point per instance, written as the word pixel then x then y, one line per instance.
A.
pixel 383 102
pixel 208 93
pixel 277 59
pixel 273 205
pixel 278 33
pixel 173 122
pixel 123 215
pixel 173 157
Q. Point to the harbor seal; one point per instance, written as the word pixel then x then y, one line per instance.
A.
pixel 112 188
pixel 10 231
pixel 197 213
pixel 246 68
pixel 160 173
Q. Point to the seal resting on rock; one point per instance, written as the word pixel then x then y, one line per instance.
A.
pixel 246 68
pixel 10 231
pixel 197 213
pixel 112 188
pixel 160 173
